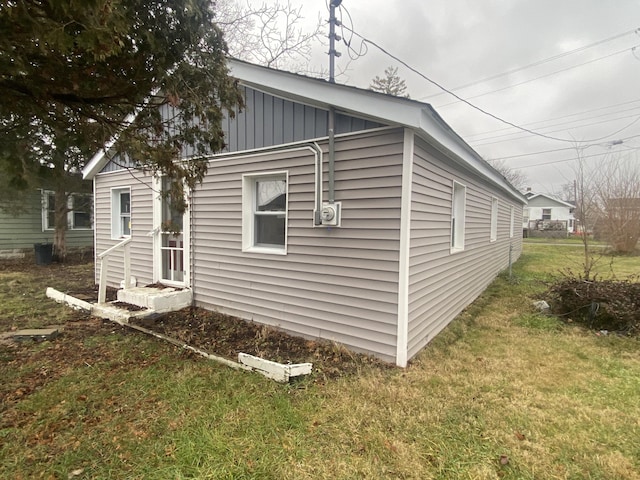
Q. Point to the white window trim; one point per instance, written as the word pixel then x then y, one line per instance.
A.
pixel 116 234
pixel 512 219
pixel 45 211
pixel 460 227
pixel 70 218
pixel 495 206
pixel 248 211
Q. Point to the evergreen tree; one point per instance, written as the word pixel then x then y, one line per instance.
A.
pixel 391 83
pixel 73 74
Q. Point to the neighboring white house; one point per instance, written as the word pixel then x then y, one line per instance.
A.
pixel 547 213
pixel 378 252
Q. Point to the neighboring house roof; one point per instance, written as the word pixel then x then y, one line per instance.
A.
pixel 547 199
pixel 387 109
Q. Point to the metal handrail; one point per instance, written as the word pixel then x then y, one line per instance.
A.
pixel 104 268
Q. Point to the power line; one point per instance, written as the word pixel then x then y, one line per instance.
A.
pixel 539 62
pixel 574 158
pixel 635 115
pixel 566 125
pixel 363 46
pixel 542 76
pixel 489 114
pixel 563 116
pixel 557 150
pixel 502 135
pixel 637 118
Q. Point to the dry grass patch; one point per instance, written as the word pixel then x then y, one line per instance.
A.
pixel 503 393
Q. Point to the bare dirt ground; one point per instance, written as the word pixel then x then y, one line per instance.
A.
pixel 227 336
pixel 210 331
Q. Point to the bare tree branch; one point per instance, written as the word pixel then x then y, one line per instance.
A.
pixel 515 177
pixel 270 34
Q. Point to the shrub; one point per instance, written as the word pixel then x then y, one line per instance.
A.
pixel 601 305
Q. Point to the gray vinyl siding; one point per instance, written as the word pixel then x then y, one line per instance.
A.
pixel 267 121
pixel 442 283
pixel 20 232
pixel 339 283
pixel 141 225
pixel 118 164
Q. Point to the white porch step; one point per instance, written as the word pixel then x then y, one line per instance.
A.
pixel 118 314
pixel 160 300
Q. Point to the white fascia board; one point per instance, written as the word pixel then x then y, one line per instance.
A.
pixel 94 165
pixel 383 108
pixel 100 159
pixel 320 93
pixel 555 200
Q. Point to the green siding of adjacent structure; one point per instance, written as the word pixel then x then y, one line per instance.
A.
pixel 19 232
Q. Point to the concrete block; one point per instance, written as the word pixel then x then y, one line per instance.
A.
pixel 35 334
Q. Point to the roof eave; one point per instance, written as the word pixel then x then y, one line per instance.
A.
pixel 375 106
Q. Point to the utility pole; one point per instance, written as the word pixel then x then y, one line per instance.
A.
pixel 333 21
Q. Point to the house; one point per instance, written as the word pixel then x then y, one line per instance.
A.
pixel 33 222
pixel 375 237
pixel 548 214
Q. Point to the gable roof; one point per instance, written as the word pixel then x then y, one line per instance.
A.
pixel 378 107
pixel 534 196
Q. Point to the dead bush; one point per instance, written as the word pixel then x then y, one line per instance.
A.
pixel 612 305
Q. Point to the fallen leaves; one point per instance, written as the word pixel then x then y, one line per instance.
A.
pixel 227 336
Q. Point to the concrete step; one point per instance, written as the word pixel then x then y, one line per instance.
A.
pixel 118 314
pixel 159 300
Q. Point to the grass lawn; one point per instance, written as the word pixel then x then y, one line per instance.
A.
pixel 572 240
pixel 502 393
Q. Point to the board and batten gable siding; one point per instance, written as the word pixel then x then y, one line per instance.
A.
pixel 333 283
pixel 141 224
pixel 21 231
pixel 442 283
pixel 267 120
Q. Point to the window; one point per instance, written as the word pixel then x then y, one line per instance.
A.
pixel 80 214
pixel 546 214
pixel 264 212
pixel 79 211
pixel 512 218
pixel 49 212
pixel 494 219
pixel 120 212
pixel 457 216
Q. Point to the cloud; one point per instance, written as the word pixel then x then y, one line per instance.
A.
pixel 461 41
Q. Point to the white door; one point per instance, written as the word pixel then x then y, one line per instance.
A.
pixel 171 241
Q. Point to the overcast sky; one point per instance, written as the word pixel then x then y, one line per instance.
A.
pixel 457 42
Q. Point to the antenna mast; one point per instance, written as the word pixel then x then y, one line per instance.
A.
pixel 333 21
